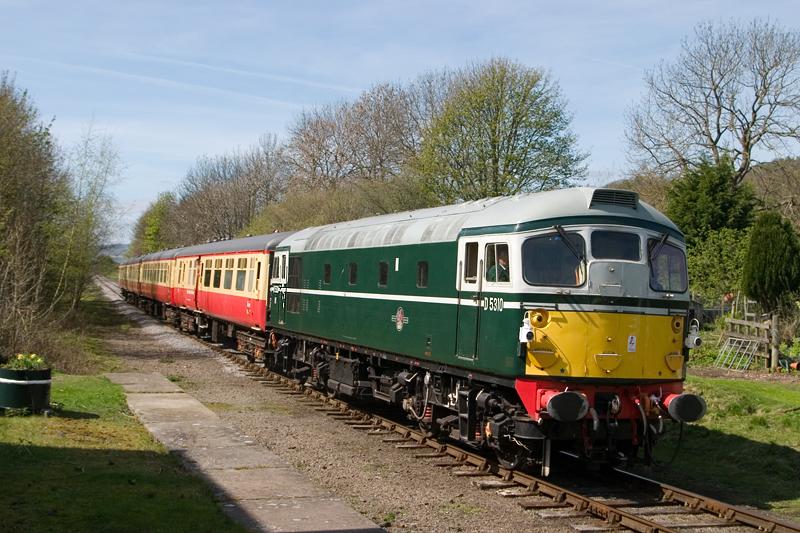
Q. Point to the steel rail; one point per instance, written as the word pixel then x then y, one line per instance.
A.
pixel 614 516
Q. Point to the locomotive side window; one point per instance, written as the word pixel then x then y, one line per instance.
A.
pixel 352 273
pixel 549 260
pixel 616 245
pixel 422 274
pixel 471 262
pixel 383 273
pixel 326 273
pixel 497 263
pixel 667 267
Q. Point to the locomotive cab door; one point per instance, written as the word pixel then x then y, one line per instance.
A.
pixel 277 288
pixel 469 287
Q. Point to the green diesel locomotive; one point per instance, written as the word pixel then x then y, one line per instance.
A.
pixel 515 323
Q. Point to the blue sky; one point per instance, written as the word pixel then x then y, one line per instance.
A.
pixel 171 81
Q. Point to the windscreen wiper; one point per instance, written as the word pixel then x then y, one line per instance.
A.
pixel 657 248
pixel 569 244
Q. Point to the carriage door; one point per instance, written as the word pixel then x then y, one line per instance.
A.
pixel 469 286
pixel 277 288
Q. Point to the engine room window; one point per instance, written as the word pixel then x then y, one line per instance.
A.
pixel 471 262
pixel 383 273
pixel 326 273
pixel 422 274
pixel 616 245
pixel 667 267
pixel 497 263
pixel 549 260
pixel 352 273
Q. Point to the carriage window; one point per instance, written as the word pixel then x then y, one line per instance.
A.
pixel 471 262
pixel 667 267
pixel 497 263
pixel 548 260
pixel 616 245
pixel 352 275
pixel 326 273
pixel 383 273
pixel 422 274
pixel 241 276
pixel 217 273
pixel 251 276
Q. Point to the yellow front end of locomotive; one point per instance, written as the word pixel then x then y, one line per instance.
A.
pixel 605 345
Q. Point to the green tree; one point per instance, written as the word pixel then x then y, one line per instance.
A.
pixel 503 130
pixel 707 199
pixel 716 262
pixel 152 232
pixel 772 265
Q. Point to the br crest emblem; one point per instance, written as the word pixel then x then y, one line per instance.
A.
pixel 399 319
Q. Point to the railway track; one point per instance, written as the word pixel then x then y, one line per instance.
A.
pixel 654 507
pixel 658 507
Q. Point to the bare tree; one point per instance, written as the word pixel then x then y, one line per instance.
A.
pixel 220 196
pixel 733 90
pixel 318 148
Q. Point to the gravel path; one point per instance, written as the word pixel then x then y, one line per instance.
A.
pixel 383 483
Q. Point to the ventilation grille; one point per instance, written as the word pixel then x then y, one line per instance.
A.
pixel 614 197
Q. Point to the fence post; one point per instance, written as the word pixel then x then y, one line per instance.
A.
pixel 775 343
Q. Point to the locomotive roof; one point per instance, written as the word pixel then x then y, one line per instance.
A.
pixel 258 242
pixel 490 215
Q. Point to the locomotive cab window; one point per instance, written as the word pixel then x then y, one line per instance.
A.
pixel 616 245
pixel 383 273
pixel 550 260
pixel 497 263
pixel 667 267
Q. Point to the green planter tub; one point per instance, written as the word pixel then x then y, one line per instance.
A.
pixel 20 389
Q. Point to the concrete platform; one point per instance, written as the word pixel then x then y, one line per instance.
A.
pixel 254 486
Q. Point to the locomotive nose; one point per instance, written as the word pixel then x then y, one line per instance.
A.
pixel 685 407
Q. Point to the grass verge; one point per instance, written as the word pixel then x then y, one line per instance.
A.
pixel 747 448
pixel 92 467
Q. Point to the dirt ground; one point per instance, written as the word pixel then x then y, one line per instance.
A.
pixel 754 375
pixel 383 483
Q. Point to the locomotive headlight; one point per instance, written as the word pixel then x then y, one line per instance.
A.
pixel 525 332
pixel 693 339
